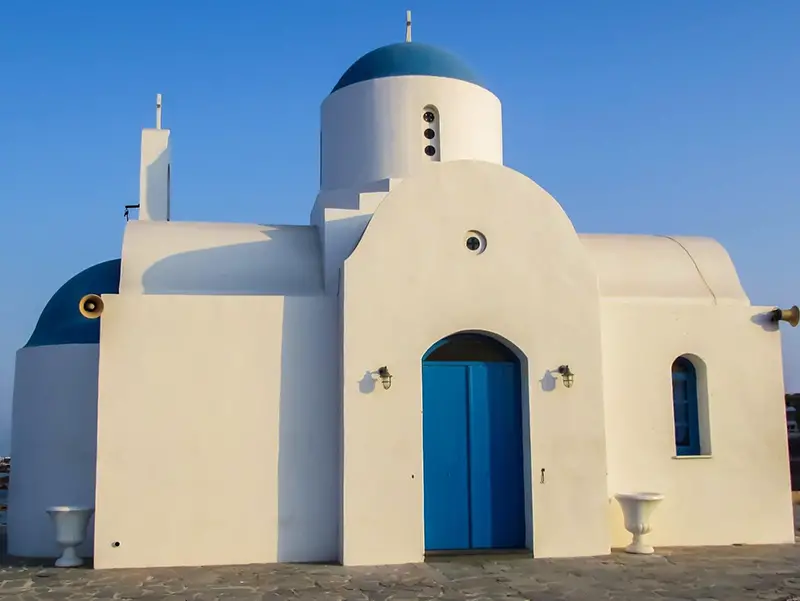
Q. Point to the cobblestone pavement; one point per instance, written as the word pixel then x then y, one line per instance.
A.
pixel 723 573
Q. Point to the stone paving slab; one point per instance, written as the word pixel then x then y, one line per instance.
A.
pixel 719 573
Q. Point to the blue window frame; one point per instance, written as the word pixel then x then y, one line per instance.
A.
pixel 685 408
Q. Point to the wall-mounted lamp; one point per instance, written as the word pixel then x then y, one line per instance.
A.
pixel 386 377
pixel 566 375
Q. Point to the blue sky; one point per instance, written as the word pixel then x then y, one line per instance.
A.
pixel 668 117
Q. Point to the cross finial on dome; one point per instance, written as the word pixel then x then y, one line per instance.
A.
pixel 408 26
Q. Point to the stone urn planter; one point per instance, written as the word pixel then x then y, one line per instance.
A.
pixel 637 507
pixel 70 523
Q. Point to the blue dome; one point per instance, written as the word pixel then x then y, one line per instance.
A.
pixel 61 322
pixel 407 58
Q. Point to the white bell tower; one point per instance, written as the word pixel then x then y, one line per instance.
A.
pixel 155 171
pixel 400 107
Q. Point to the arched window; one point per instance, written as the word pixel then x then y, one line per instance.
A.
pixel 431 144
pixel 685 407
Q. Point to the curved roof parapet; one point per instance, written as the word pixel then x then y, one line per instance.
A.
pixel 61 321
pixel 673 268
pixel 168 257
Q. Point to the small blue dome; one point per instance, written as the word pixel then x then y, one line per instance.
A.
pixel 61 322
pixel 407 58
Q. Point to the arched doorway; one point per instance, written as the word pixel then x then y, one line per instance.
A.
pixel 472 445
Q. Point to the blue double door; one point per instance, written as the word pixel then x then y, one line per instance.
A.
pixel 473 456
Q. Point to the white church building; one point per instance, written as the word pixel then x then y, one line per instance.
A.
pixel 437 362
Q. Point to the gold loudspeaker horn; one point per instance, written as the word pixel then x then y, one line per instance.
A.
pixel 790 316
pixel 91 306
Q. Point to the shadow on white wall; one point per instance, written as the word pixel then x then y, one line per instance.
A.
pixel 308 458
pixel 548 381
pixel 285 263
pixel 765 321
pixel 366 385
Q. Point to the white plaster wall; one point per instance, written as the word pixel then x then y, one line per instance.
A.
pixel 373 129
pixel 217 435
pixel 343 230
pixel 160 257
pixel 741 492
pixel 341 216
pixel 53 442
pixel 350 198
pixel 410 282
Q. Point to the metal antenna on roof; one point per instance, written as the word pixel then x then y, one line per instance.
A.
pixel 408 26
pixel 158 111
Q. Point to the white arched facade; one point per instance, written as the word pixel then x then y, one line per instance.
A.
pixel 410 282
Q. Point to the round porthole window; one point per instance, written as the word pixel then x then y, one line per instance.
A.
pixel 475 242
